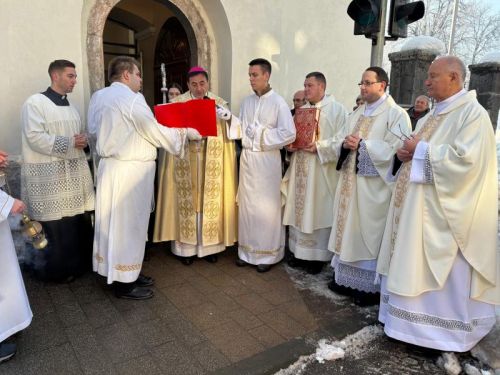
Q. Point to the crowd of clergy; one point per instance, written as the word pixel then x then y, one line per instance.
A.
pixel 402 204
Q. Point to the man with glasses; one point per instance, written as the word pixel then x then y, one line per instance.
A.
pixel 364 153
pixel 299 99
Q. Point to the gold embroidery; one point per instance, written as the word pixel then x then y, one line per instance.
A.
pixel 311 244
pixel 99 258
pixel 128 267
pixel 348 179
pixel 301 172
pixel 403 181
pixel 249 249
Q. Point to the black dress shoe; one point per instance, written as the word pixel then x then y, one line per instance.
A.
pixel 136 293
pixel 294 262
pixel 240 262
pixel 364 299
pixel 263 267
pixel 340 289
pixel 314 267
pixel 211 258
pixel 187 261
pixel 144 280
pixel 7 351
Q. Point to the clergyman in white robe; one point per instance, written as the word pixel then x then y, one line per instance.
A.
pixel 127 137
pixel 266 126
pixel 309 188
pixel 439 254
pixel 15 311
pixel 363 193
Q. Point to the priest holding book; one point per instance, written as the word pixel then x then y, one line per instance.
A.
pixel 309 186
pixel 196 204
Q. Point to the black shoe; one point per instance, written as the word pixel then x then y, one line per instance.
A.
pixel 211 258
pixel 314 267
pixel 187 261
pixel 144 280
pixel 240 262
pixel 340 289
pixel 294 262
pixel 263 267
pixel 364 299
pixel 7 351
pixel 136 293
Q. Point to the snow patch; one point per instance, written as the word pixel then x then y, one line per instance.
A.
pixel 317 284
pixel 450 363
pixel 491 57
pixel 424 42
pixel 353 345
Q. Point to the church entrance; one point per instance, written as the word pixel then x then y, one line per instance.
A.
pixel 152 33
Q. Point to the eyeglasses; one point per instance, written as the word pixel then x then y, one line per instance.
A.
pixel 368 83
pixel 402 136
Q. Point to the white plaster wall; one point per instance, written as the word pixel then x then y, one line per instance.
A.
pixel 297 36
pixel 33 34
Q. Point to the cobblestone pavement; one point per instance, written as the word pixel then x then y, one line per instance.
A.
pixel 204 318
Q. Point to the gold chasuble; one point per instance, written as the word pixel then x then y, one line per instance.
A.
pixel 196 202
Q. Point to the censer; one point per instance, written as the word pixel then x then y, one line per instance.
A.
pixel 32 229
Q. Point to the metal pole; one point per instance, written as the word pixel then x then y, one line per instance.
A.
pixel 453 26
pixel 378 44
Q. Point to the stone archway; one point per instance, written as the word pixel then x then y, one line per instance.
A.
pixel 186 11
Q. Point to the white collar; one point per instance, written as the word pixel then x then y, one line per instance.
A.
pixel 370 107
pixel 441 106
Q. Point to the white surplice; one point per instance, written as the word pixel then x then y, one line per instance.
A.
pixel 127 137
pixel 15 311
pixel 363 193
pixel 309 188
pixel 439 252
pixel 266 126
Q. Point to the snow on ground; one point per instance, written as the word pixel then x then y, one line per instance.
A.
pixel 424 42
pixel 450 363
pixel 491 57
pixel 353 345
pixel 317 284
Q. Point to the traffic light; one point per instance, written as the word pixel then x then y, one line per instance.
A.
pixel 404 12
pixel 366 15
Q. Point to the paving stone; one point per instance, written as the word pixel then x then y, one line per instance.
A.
pixel 283 324
pixel 146 365
pixel 60 294
pixel 299 311
pixel 245 318
pixel 154 332
pixel 201 284
pixel 120 342
pixel 233 341
pixel 88 293
pixel 44 333
pixel 204 268
pixel 71 314
pixel 209 357
pixel 101 313
pixel 186 331
pixel 254 303
pixel 138 314
pixel 267 336
pixel 184 295
pixel 223 301
pixel 89 352
pixel 278 297
pixel 56 360
pixel 205 316
pixel 174 358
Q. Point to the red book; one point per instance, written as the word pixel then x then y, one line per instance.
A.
pixel 306 126
pixel 196 114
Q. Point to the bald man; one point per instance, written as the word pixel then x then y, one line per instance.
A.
pixel 419 110
pixel 299 99
pixel 439 251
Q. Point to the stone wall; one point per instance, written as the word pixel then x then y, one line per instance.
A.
pixel 408 74
pixel 485 79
